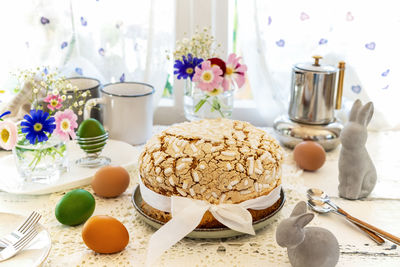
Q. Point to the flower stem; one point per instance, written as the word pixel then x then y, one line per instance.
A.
pixel 220 112
pixel 200 104
pixel 215 105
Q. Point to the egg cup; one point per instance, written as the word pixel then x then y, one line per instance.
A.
pixel 93 146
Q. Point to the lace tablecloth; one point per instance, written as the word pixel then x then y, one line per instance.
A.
pixel 381 209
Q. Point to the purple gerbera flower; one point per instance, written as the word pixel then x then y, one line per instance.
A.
pixel 36 125
pixel 185 68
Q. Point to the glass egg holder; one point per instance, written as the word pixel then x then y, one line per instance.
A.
pixel 93 146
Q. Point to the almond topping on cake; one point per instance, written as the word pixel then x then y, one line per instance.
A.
pixel 218 160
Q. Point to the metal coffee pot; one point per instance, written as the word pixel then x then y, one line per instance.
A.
pixel 312 104
pixel 313 92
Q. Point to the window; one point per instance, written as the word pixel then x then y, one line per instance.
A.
pixel 220 16
pixel 127 40
pixel 109 40
pixel 275 35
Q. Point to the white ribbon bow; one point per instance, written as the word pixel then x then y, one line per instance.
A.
pixel 187 214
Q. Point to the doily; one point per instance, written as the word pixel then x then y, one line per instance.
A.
pixel 68 248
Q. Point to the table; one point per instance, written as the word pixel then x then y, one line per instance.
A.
pixel 382 209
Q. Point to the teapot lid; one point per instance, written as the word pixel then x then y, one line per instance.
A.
pixel 316 67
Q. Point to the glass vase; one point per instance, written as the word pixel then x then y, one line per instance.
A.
pixel 199 104
pixel 42 162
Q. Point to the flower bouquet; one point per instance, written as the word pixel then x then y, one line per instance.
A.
pixel 210 81
pixel 38 141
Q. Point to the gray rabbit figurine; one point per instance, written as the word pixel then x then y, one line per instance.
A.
pixel 357 173
pixel 310 246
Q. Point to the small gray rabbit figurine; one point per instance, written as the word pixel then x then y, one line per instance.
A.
pixel 310 246
pixel 357 173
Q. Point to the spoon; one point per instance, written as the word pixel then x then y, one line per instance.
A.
pixel 321 196
pixel 315 193
pixel 323 207
pixel 320 206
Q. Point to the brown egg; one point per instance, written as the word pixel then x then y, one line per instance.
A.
pixel 110 181
pixel 104 234
pixel 309 155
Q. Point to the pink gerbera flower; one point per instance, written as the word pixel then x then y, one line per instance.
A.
pixel 8 134
pixel 208 77
pixel 66 124
pixel 55 102
pixel 235 72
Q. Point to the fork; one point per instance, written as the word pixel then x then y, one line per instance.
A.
pixel 14 248
pixel 33 219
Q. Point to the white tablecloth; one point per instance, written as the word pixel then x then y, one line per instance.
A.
pixel 381 209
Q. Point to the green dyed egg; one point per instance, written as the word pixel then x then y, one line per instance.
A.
pixel 90 128
pixel 75 207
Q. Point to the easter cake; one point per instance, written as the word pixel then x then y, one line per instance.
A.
pixel 219 161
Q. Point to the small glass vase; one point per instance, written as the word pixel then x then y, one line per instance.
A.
pixel 42 162
pixel 199 104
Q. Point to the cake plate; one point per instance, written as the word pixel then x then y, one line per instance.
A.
pixel 221 232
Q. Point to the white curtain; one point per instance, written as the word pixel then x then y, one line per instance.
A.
pixel 112 40
pixel 275 35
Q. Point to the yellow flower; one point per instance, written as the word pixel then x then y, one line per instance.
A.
pixel 215 92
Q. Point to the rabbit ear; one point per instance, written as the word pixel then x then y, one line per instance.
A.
pixel 299 209
pixel 354 110
pixel 303 220
pixel 365 114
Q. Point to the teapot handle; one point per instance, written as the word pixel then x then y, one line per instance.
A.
pixel 339 92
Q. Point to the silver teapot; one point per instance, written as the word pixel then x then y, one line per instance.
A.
pixel 312 104
pixel 313 92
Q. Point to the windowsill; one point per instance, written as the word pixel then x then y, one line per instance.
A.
pixel 245 103
pixel 166 102
pixel 239 103
pixel 168 113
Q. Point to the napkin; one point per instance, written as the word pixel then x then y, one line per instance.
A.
pixel 20 105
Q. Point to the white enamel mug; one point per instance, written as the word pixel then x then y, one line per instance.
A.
pixel 127 111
